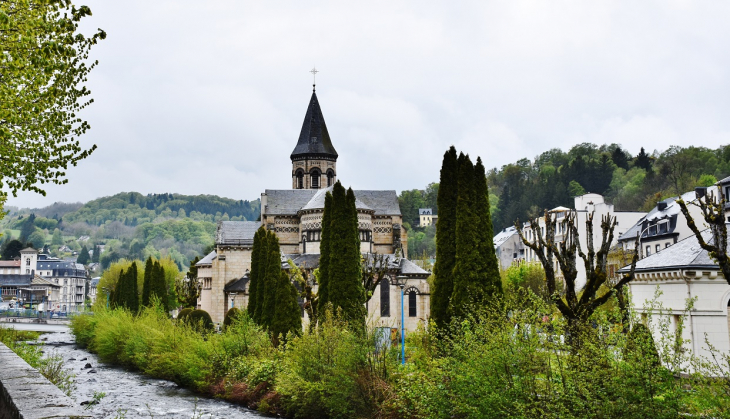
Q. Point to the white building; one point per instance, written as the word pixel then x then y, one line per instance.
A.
pixel 684 271
pixel 426 217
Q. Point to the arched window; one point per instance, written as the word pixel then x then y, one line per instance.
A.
pixel 330 177
pixel 300 179
pixel 385 297
pixel 315 174
pixel 304 243
pixel 412 303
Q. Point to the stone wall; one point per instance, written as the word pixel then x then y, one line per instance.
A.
pixel 25 393
pixel 232 262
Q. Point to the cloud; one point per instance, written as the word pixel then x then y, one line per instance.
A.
pixel 209 98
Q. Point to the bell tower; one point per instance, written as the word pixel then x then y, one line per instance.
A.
pixel 314 159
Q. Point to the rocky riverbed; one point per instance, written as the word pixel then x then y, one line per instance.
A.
pixel 130 394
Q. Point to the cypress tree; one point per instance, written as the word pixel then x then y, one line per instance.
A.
pixel 118 296
pixel 262 258
pixel 273 275
pixel 132 289
pixel 159 285
pixel 345 283
pixel 466 269
pixel 445 240
pixel 147 283
pixel 490 282
pixel 324 255
pixel 287 317
pixel 254 278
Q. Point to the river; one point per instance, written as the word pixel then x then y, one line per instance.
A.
pixel 130 394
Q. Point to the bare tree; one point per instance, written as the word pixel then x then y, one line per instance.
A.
pixel 576 309
pixel 713 213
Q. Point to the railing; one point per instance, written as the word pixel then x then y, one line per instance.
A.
pixel 35 314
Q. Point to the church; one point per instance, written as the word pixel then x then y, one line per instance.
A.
pixel 295 216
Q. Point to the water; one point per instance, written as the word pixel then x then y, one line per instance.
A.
pixel 130 394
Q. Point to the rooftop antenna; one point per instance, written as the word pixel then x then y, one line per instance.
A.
pixel 314 72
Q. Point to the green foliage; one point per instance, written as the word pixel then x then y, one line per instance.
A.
pixel 187 288
pixel 575 189
pixel 201 320
pixel 149 270
pixel 125 294
pixel 287 320
pixel 706 180
pixel 257 274
pixel 83 257
pixel 271 279
pixel 11 249
pixel 344 284
pixel 230 317
pixel 42 93
pixel 325 248
pixel 57 239
pixel 526 275
pixel 445 240
pixel 184 313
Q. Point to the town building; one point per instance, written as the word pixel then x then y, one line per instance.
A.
pixel 31 289
pixel 295 216
pixel 509 247
pixel 426 217
pixel 680 272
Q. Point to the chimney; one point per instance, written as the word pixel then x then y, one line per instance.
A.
pixel 661 206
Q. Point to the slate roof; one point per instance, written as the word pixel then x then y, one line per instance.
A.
pixel 723 181
pixel 425 211
pixel 314 139
pixel 407 267
pixel 504 235
pixel 287 201
pixel 236 232
pixel 685 254
pixel 671 211
pixel 15 280
pixel 238 285
pixel 317 201
pixel 208 259
pixel 291 201
pixel 309 260
pixel 94 282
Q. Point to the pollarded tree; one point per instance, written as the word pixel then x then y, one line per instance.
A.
pixel 576 308
pixel 44 63
pixel 254 275
pixel 445 240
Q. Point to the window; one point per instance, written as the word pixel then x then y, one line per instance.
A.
pixel 330 177
pixel 667 244
pixel 658 248
pixel 385 298
pixel 652 230
pixel 27 262
pixel 315 178
pixel 663 228
pixel 412 301
pixel 300 179
pixel 648 251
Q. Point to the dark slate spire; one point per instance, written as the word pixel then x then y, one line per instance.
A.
pixel 314 140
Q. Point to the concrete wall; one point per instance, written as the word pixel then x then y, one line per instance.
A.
pixel 25 393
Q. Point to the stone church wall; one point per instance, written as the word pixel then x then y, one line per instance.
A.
pixel 232 262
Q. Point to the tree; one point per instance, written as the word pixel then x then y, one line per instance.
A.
pixel 620 158
pixel 187 288
pixel 83 257
pixel 147 282
pixel 325 246
pixel 574 189
pixel 713 241
pixel 37 239
pixel 445 239
pixel 575 308
pixel 42 91
pixel 12 249
pixel 132 290
pixel 158 286
pixel 95 254
pixel 254 276
pixel 287 318
pixel 271 281
pixel 489 283
pixel 643 160
pixel 28 228
pixel 57 239
pixel 346 291
pixel 262 258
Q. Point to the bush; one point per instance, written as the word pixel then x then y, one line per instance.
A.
pixel 183 314
pixel 231 315
pixel 200 319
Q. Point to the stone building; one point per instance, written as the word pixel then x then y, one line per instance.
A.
pixel 295 215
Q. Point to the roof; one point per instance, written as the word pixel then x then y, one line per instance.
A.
pixel 291 201
pixel 37 280
pixel 407 267
pixel 308 260
pixel 237 285
pixel 15 279
pixel 317 201
pixel 9 263
pixel 287 201
pixel 94 282
pixel 723 181
pixel 236 232
pixel 655 214
pixel 686 253
pixel 504 235
pixel 29 250
pixel 425 211
pixel 314 139
pixel 208 259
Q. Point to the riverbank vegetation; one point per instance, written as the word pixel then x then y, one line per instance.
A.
pixel 509 359
pixel 50 366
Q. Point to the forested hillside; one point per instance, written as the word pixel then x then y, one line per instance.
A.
pixel 523 189
pixel 127 225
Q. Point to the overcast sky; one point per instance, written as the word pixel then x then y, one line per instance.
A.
pixel 208 97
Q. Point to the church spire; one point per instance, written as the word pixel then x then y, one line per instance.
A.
pixel 314 140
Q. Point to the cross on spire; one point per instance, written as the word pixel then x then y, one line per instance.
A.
pixel 314 72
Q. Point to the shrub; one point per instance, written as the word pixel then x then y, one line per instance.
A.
pixel 231 315
pixel 200 319
pixel 183 314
